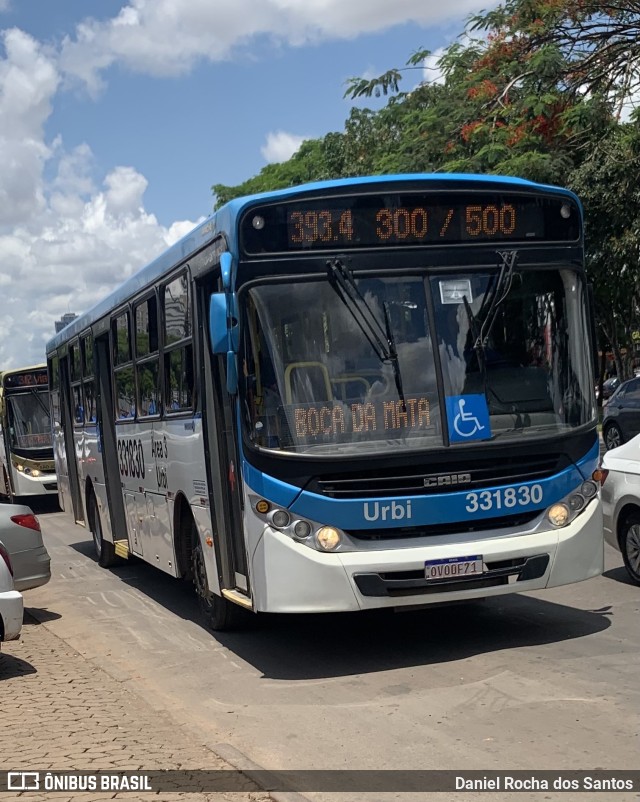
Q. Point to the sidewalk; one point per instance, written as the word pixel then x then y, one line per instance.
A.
pixel 62 712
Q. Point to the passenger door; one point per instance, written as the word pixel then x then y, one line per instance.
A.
pixel 223 461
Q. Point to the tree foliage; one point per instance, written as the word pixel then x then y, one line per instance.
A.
pixel 533 88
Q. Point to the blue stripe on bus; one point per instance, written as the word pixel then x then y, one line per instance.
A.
pixel 268 487
pixel 366 513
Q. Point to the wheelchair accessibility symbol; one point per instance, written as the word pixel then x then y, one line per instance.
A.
pixel 468 417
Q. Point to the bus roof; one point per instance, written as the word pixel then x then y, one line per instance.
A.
pixel 225 218
pixel 13 371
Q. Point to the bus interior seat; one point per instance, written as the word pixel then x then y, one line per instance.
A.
pixel 350 388
pixel 307 382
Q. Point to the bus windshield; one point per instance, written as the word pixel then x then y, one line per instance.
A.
pixel 337 370
pixel 29 420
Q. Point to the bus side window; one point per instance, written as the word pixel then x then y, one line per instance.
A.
pixel 125 399
pixel 178 351
pixel 179 379
pixel 147 359
pixel 89 411
pixel 78 406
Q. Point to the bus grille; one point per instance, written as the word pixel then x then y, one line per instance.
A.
pixel 465 474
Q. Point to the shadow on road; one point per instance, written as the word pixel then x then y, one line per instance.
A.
pixel 12 666
pixel 317 647
pixel 296 647
pixel 39 615
pixel 43 505
pixel 620 575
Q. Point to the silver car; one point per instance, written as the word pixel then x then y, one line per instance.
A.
pixel 21 535
pixel 620 482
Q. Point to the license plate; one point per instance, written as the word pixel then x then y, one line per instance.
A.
pixel 453 567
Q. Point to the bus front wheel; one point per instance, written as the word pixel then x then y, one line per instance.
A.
pixel 218 613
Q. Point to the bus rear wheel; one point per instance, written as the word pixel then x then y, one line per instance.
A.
pixel 218 613
pixel 105 551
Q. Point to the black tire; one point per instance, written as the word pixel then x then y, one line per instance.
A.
pixel 630 545
pixel 219 614
pixel 105 551
pixel 612 436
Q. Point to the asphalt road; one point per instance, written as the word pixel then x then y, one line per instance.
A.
pixel 540 681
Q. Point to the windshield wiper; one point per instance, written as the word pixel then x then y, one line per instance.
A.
pixel 41 402
pixel 380 339
pixel 494 298
pixel 393 355
pixel 499 292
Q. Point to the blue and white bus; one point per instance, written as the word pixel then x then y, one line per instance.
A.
pixel 361 393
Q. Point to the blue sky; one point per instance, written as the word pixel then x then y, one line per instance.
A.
pixel 114 127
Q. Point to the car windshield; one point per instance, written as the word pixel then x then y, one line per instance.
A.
pixel 355 371
pixel 29 421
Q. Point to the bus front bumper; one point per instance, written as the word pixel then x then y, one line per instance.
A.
pixel 28 485
pixel 288 577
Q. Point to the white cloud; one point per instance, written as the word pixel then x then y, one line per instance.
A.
pixel 66 243
pixel 281 146
pixel 28 82
pixel 431 72
pixel 167 37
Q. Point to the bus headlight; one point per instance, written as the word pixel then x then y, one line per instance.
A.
pixel 328 538
pixel 280 519
pixel 558 514
pixel 568 508
pixel 302 529
pixel 576 502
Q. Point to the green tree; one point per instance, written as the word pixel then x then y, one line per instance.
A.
pixel 606 181
pixel 538 93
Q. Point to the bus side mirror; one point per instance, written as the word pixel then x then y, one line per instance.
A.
pixel 223 333
pixel 218 331
pixel 223 322
pixel 232 373
pixel 593 332
pixel 225 270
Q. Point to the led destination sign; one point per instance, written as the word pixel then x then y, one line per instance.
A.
pixel 33 378
pixel 341 422
pixel 405 219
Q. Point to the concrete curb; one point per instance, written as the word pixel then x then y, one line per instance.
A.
pixel 226 752
pixel 243 764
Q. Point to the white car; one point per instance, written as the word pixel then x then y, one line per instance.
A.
pixel 620 482
pixel 11 605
